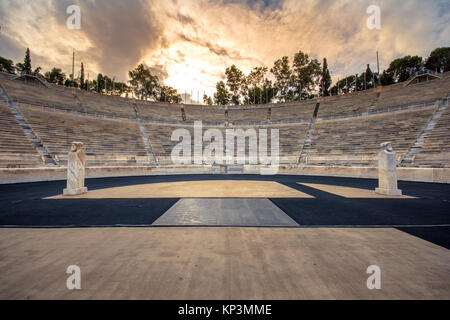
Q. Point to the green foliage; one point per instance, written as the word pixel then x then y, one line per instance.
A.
pixel 82 81
pixel 121 88
pixel 305 75
pixel 70 83
pixel 27 62
pixel 386 78
pixel 259 89
pixel 283 78
pixel 368 79
pixel 257 76
pixel 325 79
pixel 289 83
pixel 100 83
pixel 439 60
pixel 25 67
pixel 235 82
pixel 6 65
pixel 222 95
pixel 403 68
pixel 144 84
pixel 345 85
pixel 262 94
pixel 169 94
pixel 108 84
pixel 207 100
pixel 55 76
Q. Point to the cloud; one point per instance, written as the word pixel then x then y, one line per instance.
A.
pixel 121 32
pixel 218 50
pixel 10 47
pixel 189 43
pixel 114 34
pixel 185 19
pixel 160 71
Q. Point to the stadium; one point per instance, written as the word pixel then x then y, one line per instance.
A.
pixel 152 225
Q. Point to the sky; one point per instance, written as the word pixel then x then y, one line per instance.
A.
pixel 189 43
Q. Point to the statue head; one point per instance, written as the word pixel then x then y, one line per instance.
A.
pixel 387 146
pixel 76 146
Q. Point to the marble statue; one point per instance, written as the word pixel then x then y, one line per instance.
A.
pixel 387 171
pixel 75 170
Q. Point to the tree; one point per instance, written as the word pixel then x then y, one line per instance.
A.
pixel 235 82
pixel 403 68
pixel 108 83
pixel 260 89
pixel 283 78
pixel 305 75
pixel 439 60
pixel 262 94
pixel 169 94
pixel 345 85
pixel 6 65
pixel 369 78
pixel 27 61
pixel 55 76
pixel 256 76
pixel 68 82
pixel 26 65
pixel 254 85
pixel 144 84
pixel 207 100
pixel 82 82
pixel 386 78
pixel 222 95
pixel 100 83
pixel 325 79
pixel 121 88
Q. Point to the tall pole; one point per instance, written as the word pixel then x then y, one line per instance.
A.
pixel 73 68
pixel 378 67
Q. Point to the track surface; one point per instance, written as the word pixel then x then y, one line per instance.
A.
pixel 425 213
pixel 313 238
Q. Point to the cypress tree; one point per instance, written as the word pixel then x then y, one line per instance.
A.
pixel 82 77
pixel 27 62
pixel 325 81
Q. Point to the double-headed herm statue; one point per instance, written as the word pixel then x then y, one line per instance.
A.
pixel 387 171
pixel 75 170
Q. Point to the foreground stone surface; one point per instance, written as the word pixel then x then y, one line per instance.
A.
pixel 220 263
pixel 225 212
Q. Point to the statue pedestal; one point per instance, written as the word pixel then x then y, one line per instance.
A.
pixel 387 174
pixel 74 192
pixel 389 192
pixel 75 171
